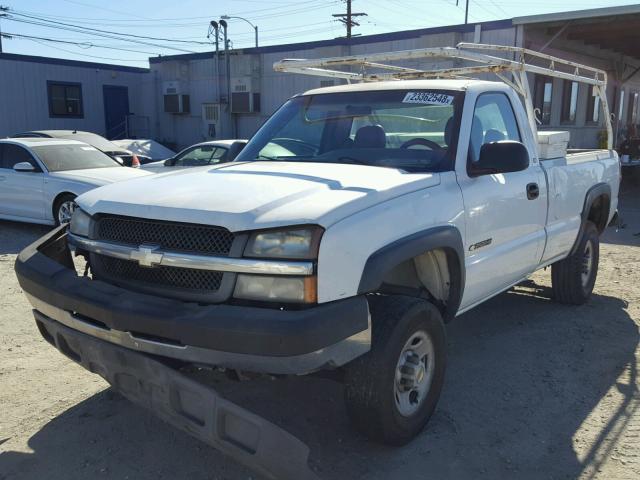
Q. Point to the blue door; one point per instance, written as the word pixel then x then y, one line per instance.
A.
pixel 116 109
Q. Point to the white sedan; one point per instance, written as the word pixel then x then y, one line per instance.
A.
pixel 41 177
pixel 199 155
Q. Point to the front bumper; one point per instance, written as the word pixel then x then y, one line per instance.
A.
pixel 238 337
pixel 186 404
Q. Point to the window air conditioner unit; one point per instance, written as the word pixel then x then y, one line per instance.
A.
pixel 175 103
pixel 244 95
pixel 176 100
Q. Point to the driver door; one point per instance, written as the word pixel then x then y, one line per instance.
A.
pixel 21 193
pixel 505 226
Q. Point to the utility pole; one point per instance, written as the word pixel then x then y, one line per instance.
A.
pixel 347 18
pixel 466 11
pixel 2 14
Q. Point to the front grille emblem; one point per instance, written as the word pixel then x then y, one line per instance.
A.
pixel 146 255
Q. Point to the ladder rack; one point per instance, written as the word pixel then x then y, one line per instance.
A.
pixel 375 67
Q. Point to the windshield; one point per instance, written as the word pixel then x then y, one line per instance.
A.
pixel 408 129
pixel 58 158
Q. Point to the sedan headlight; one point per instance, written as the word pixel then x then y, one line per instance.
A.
pixel 80 223
pixel 298 243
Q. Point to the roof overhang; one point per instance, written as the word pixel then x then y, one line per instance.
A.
pixel 595 14
pixel 615 29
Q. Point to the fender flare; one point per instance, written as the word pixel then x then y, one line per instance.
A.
pixel 598 190
pixel 447 237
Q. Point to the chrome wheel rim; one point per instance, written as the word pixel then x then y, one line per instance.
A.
pixel 414 373
pixel 587 263
pixel 65 211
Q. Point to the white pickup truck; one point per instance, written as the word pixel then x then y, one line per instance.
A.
pixel 355 224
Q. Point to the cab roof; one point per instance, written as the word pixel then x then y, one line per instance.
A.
pixel 447 84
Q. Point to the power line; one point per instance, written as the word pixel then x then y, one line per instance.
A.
pixel 76 30
pixel 43 19
pixel 347 18
pixel 101 21
pixel 91 56
pixel 84 45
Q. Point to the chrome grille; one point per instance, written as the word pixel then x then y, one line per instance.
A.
pixel 168 277
pixel 185 237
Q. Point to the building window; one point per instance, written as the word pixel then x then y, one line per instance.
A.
pixel 543 92
pixel 569 101
pixel 65 99
pixel 593 106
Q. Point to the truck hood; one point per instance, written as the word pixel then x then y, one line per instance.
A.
pixel 252 195
pixel 100 176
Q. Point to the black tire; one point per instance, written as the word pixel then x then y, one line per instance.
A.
pixel 60 201
pixel 573 278
pixel 371 382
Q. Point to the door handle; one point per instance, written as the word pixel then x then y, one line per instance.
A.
pixel 533 191
pixel 2 178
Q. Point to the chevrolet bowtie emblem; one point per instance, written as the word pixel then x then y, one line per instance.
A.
pixel 146 255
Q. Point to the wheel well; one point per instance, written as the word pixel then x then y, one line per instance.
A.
pixel 599 212
pixel 434 275
pixel 55 201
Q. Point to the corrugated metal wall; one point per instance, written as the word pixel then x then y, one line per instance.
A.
pixel 25 106
pixel 275 87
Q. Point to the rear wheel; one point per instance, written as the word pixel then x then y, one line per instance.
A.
pixel 574 277
pixel 63 208
pixel 392 391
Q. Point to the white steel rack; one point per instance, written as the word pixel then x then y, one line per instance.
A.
pixel 376 67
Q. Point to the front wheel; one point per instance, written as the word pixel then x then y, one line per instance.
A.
pixel 63 208
pixel 574 277
pixel 392 391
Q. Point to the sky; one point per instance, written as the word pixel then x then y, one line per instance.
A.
pixel 117 31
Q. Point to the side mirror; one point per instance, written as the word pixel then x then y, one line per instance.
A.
pixel 500 157
pixel 24 167
pixel 168 162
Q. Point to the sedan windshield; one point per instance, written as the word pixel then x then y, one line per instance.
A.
pixel 58 158
pixel 411 130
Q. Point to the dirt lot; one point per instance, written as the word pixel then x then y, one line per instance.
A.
pixel 533 390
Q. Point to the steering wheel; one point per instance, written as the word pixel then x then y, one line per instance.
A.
pixel 421 141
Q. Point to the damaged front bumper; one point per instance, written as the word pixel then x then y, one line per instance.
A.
pixel 238 337
pixel 185 404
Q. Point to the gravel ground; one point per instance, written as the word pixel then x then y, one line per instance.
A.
pixel 534 390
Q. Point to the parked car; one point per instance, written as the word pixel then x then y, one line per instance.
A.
pixel 391 208
pixel 199 155
pixel 146 148
pixel 41 177
pixel 123 155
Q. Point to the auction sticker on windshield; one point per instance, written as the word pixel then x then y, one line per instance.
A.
pixel 428 98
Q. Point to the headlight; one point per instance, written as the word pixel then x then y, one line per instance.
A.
pixel 276 288
pixel 295 243
pixel 80 222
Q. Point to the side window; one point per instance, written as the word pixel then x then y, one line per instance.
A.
pixel 196 157
pixel 11 154
pixel 219 154
pixel 493 120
